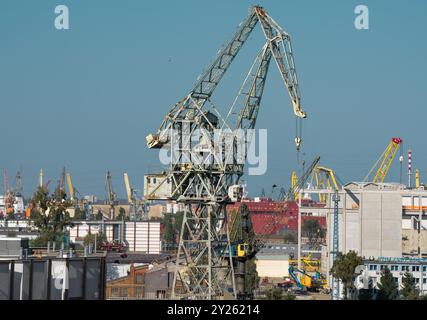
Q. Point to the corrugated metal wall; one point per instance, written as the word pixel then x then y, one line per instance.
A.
pixel 143 237
pixel 53 279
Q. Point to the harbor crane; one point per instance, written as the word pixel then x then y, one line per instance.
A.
pixel 206 166
pixel 111 195
pixel 384 162
pixel 136 205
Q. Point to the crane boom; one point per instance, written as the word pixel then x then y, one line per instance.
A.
pixel 278 45
pixel 386 159
pixel 70 187
pixel 128 189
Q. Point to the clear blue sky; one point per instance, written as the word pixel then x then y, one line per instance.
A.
pixel 87 97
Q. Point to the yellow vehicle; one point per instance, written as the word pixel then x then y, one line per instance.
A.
pixel 242 249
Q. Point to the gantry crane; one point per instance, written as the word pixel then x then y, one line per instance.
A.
pixel 323 178
pixel 111 195
pixel 76 198
pixel 133 201
pixel 204 173
pixel 385 161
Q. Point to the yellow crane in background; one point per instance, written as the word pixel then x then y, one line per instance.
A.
pixel 137 207
pixel 417 178
pixel 70 188
pixel 128 189
pixel 324 178
pixel 385 159
pixel 294 184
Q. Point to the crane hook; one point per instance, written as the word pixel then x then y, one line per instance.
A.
pixel 298 143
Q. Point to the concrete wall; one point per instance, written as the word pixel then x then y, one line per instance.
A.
pixel 410 241
pixel 371 223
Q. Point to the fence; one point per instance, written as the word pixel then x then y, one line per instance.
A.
pixel 79 278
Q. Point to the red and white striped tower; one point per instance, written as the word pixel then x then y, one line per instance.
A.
pixel 409 167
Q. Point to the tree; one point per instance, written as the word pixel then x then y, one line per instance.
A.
pixel 90 239
pixel 366 294
pixel 49 216
pixel 290 237
pixel 312 229
pixel 343 269
pixel 121 215
pixel 289 296
pixel 274 294
pixel 170 231
pixel 99 215
pixel 251 278
pixel 409 290
pixel 387 287
pixel 78 214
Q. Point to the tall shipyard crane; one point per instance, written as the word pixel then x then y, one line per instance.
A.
pixel 384 162
pixel 203 176
pixel 111 195
pixel 133 201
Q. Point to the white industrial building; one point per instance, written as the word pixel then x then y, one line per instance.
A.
pixel 272 266
pixel 139 236
pixel 375 220
pixel 370 276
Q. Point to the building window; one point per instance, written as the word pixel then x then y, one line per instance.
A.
pixel 373 267
pixel 115 291
pixel 424 280
pixel 139 278
pixel 139 292
pixel 382 267
pixel 405 268
pixel 415 268
pixel 394 268
pixel 124 292
pixel 424 269
pixel 396 280
pixel 417 280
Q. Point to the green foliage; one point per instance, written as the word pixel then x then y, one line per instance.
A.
pixel 251 278
pixel 10 216
pixel 49 216
pixel 90 239
pixel 121 216
pixel 409 290
pixel 290 237
pixel 179 216
pixel 366 294
pixel 312 229
pixel 387 287
pixel 79 214
pixel 289 296
pixel 170 232
pixel 274 294
pixel 344 267
pixel 99 215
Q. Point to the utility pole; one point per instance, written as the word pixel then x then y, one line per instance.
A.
pixel 335 246
pixel 41 178
pixel 409 168
pixel 420 221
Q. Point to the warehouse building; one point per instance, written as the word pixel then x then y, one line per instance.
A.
pixel 138 236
